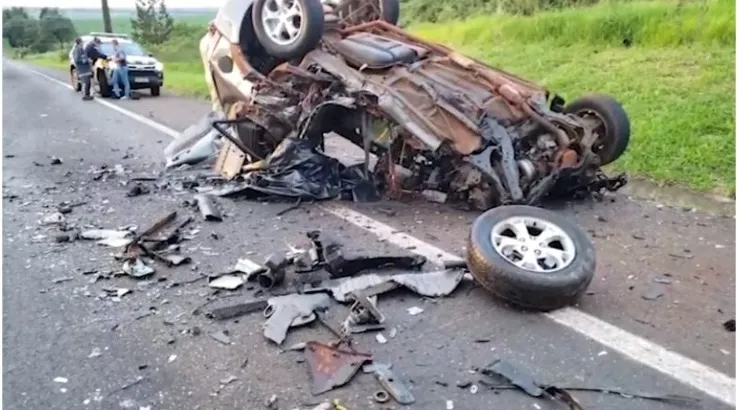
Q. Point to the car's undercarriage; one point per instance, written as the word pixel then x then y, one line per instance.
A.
pixel 437 120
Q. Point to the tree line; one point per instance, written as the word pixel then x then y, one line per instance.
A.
pixel 52 30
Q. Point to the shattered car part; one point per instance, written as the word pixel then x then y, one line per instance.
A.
pixel 208 207
pixel 381 396
pixel 341 262
pixel 332 367
pixel 430 284
pixel 395 386
pixel 282 311
pixel 194 144
pixel 238 309
pixel 275 273
pixel 172 259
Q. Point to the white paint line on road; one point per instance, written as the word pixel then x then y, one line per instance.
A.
pixel 674 365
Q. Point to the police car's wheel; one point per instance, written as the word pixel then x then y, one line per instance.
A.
pixel 74 80
pixel 155 91
pixel 102 85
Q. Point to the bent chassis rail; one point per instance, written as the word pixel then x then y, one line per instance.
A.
pixel 451 105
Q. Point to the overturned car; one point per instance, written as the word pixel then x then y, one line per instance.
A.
pixel 287 72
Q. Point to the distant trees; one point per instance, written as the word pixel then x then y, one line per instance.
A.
pixel 49 30
pixel 153 24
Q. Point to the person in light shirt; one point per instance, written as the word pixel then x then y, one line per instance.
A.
pixel 205 49
pixel 120 73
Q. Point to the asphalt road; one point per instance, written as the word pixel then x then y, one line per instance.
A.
pixel 55 317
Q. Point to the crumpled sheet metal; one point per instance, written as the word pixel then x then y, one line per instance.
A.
pixel 430 284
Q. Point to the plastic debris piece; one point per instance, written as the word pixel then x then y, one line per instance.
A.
pixel 137 269
pixel 229 282
pixel 380 338
pixel 61 380
pixel 221 337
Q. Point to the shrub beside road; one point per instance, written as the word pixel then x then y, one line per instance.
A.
pixel 671 64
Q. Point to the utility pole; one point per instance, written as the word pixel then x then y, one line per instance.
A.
pixel 108 25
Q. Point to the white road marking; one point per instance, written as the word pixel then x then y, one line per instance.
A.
pixel 674 365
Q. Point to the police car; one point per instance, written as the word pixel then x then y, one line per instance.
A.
pixel 144 71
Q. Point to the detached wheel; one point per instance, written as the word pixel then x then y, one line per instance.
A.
pixel 74 80
pixel 613 127
pixel 531 257
pixel 288 29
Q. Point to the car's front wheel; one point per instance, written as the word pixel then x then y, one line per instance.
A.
pixel 155 91
pixel 530 257
pixel 288 29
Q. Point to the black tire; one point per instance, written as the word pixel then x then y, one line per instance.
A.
pixel 155 91
pixel 102 85
pixel 615 120
pixel 312 27
pixel 74 80
pixel 390 11
pixel 525 288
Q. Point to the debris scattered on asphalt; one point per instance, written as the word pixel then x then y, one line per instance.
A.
pixel 221 336
pixel 729 325
pixel 474 389
pixel 96 352
pixel 502 375
pixel 331 366
pixel 449 405
pixel 56 161
pixel 172 358
pixel 662 280
pixel 290 310
pixel 380 338
pixel 53 219
pixel 61 380
pixel 415 310
pixel 108 237
pixel 229 282
pixel 137 269
pixel 654 291
pixel 62 279
pixel 238 309
pixel 394 385
pixel 208 208
pixel 137 190
pixel 381 396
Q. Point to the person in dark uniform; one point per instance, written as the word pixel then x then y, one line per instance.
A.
pixel 84 68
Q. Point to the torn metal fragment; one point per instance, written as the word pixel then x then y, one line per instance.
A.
pixel 108 237
pixel 282 311
pixel 364 316
pixel 172 259
pixel 208 208
pixel 274 275
pixel 239 309
pixel 395 386
pixel 53 219
pixel 332 367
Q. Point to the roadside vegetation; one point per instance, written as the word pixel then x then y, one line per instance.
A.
pixel 672 64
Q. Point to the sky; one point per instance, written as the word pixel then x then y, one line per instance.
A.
pixel 93 4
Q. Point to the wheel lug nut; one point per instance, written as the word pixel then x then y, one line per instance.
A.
pixel 537 251
pixel 524 249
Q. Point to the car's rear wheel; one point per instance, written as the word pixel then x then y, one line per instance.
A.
pixel 74 80
pixel 155 91
pixel 288 29
pixel 362 11
pixel 530 257
pixel 613 124
pixel 103 87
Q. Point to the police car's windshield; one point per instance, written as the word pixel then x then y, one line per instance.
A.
pixel 130 49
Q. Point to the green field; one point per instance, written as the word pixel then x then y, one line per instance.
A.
pixel 676 80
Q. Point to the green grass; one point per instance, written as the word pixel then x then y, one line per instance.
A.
pixel 123 24
pixel 676 81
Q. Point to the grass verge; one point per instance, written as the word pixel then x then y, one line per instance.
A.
pixel 677 81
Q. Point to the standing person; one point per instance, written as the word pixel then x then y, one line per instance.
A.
pixel 120 73
pixel 93 51
pixel 206 44
pixel 84 68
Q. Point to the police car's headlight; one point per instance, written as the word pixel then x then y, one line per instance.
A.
pixel 159 66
